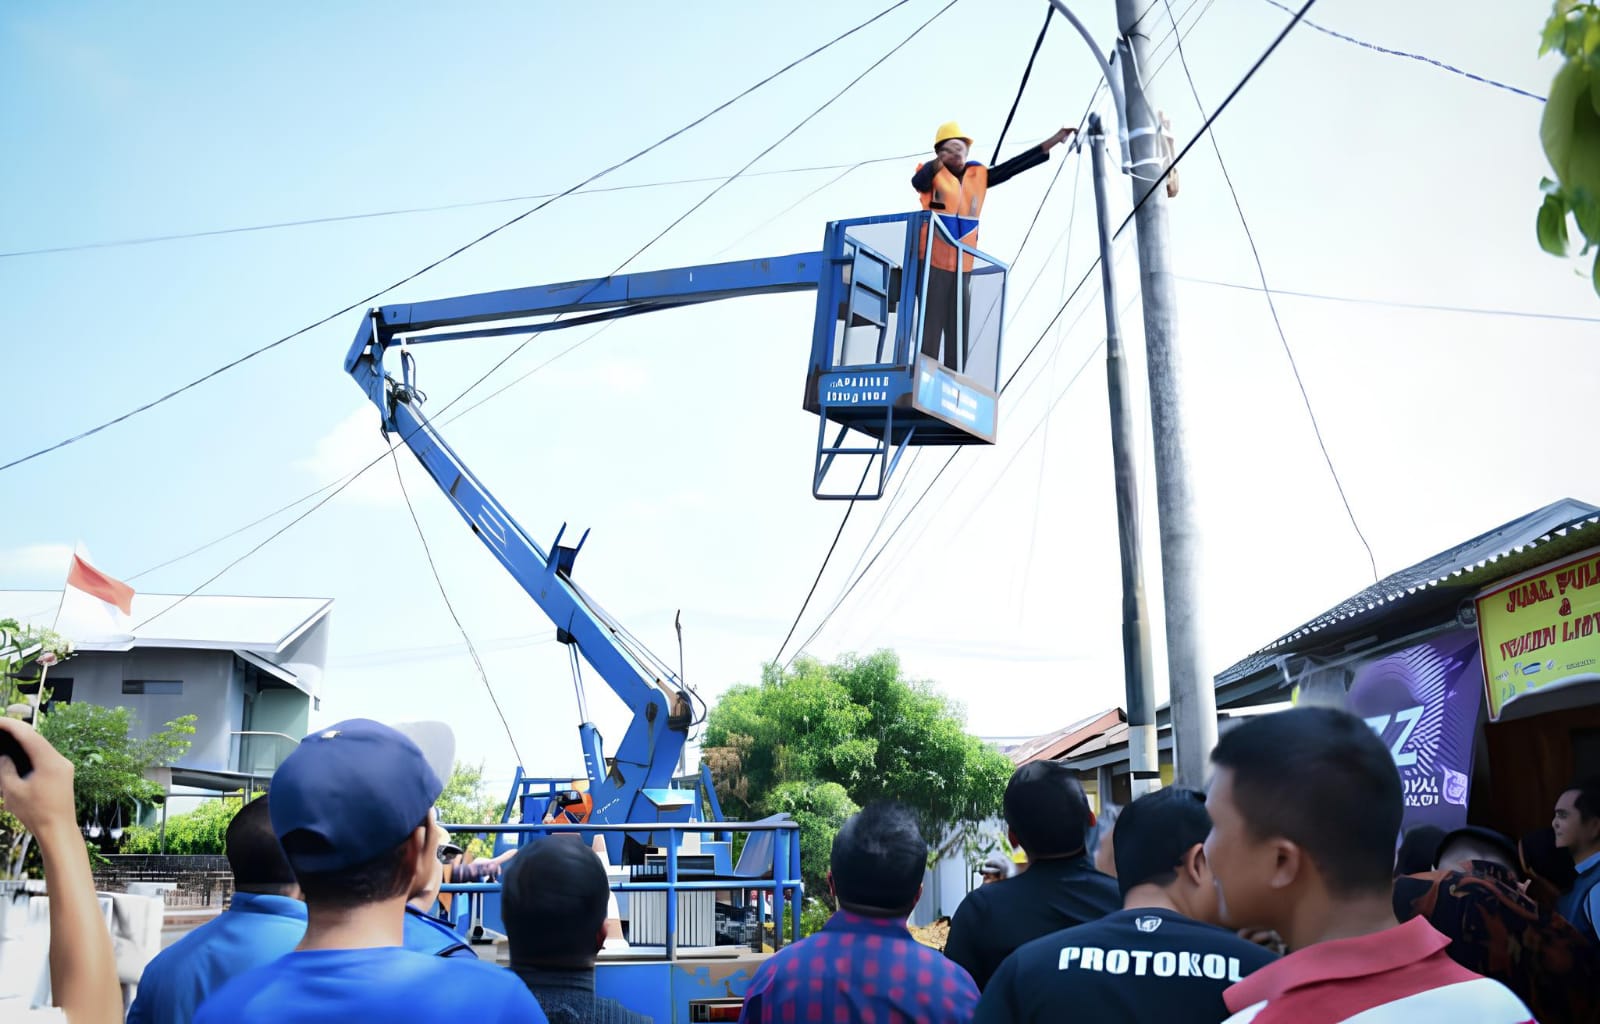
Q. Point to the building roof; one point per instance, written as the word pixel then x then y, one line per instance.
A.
pixel 1436 585
pixel 260 625
pixel 1053 746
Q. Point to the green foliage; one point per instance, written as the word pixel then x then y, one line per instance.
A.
pixel 819 739
pixel 203 830
pixel 110 765
pixel 26 655
pixel 467 800
pixel 1570 132
pixel 820 809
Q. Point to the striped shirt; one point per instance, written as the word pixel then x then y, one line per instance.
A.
pixel 1401 975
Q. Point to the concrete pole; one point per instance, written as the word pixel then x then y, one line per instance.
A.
pixel 1194 702
pixel 1144 761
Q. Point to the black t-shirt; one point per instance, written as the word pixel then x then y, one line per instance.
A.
pixel 1050 895
pixel 1135 965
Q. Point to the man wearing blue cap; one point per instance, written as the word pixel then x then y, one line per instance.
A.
pixel 353 809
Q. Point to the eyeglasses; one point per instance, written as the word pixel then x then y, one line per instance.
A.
pixel 448 852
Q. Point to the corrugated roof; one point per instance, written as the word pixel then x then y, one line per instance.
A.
pixel 1054 745
pixel 1558 529
pixel 260 625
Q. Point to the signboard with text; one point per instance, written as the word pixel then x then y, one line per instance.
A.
pixel 1422 701
pixel 955 400
pixel 1541 630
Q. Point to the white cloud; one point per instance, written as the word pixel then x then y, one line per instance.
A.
pixel 35 563
pixel 349 446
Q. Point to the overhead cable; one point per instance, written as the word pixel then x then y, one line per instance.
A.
pixel 483 673
pixel 1527 314
pixel 1412 56
pixel 146 406
pixel 1272 307
pixel 488 373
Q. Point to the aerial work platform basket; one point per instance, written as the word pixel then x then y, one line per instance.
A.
pixel 905 348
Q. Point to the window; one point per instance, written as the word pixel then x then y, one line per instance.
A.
pixel 152 687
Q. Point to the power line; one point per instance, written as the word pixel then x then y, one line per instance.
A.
pixel 451 255
pixel 828 556
pixel 1427 306
pixel 1412 56
pixel 1143 199
pixel 234 533
pixel 1049 16
pixel 827 616
pixel 1272 307
pixel 832 547
pixel 409 210
pixel 437 579
pixel 1160 181
pixel 485 376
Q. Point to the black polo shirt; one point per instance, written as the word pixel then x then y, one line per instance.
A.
pixel 1050 895
pixel 1135 965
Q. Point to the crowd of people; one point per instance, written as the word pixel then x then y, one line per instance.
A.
pixel 1284 893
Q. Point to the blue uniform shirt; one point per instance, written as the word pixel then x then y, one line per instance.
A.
pixel 254 930
pixel 859 969
pixel 382 983
pixel 429 935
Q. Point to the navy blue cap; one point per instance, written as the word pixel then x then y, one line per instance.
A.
pixel 349 793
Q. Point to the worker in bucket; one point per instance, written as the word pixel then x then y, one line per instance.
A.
pixel 954 187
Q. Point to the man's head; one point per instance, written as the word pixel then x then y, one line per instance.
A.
pixel 1159 846
pixel 878 860
pixel 951 146
pixel 1577 819
pixel 1419 850
pixel 1539 857
pixel 254 856
pixel 1046 810
pixel 352 807
pixel 1458 849
pixel 553 901
pixel 1305 807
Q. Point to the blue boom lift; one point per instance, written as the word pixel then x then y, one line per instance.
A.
pixel 876 381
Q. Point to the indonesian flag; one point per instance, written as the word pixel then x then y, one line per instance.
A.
pixel 97 584
pixel 95 608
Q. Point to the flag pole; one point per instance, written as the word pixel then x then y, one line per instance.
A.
pixel 63 602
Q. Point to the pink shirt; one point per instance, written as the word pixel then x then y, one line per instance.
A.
pixel 1401 975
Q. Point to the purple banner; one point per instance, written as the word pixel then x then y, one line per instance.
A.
pixel 1424 702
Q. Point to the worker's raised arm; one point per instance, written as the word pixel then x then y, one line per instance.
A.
pixel 922 181
pixel 1028 159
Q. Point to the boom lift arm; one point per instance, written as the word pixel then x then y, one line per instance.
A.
pixel 662 705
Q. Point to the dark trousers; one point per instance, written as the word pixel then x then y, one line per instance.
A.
pixel 939 317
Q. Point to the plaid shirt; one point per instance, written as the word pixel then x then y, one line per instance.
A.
pixel 860 970
pixel 1496 931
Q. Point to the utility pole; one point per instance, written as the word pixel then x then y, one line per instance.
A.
pixel 1194 702
pixel 1144 757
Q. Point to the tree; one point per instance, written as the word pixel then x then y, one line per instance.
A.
pixel 203 830
pixel 466 800
pixel 109 766
pixel 1570 131
pixel 858 725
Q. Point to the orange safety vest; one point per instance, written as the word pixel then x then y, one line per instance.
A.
pixel 961 197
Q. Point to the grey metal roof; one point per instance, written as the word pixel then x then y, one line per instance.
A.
pixel 261 625
pixel 1438 583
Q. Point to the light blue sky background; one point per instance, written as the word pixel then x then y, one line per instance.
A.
pixel 679 436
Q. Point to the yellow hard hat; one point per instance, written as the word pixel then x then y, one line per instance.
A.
pixel 950 130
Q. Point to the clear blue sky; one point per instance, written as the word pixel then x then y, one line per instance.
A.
pixel 679 437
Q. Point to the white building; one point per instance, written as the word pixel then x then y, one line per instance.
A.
pixel 248 668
